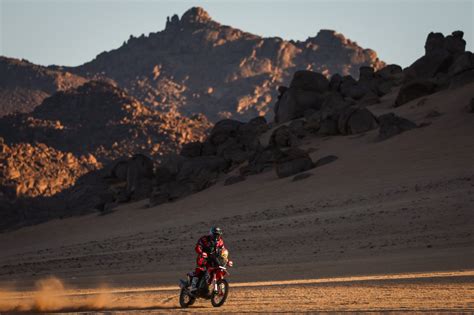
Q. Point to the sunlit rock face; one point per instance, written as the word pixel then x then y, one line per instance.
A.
pixel 101 119
pixel 24 85
pixel 197 65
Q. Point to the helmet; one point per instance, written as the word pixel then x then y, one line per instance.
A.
pixel 215 232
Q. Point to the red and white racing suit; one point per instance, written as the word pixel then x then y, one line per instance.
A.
pixel 206 245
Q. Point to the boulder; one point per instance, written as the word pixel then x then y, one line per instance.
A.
pixel 434 42
pixel 366 73
pixel 454 43
pixel 163 175
pixel 328 127
pixel 313 121
pixel 461 79
pixel 291 162
pixel 307 91
pixel 262 160
pixel 333 105
pixel 223 130
pixel 390 72
pixel 347 83
pixel 392 125
pixel 335 82
pixel 285 107
pixel 192 149
pixel 298 128
pixel 232 151
pixel 413 90
pixel 119 170
pixel 234 180
pixel 193 168
pixel 309 81
pixel 462 63
pixel 357 120
pixel 257 125
pixel 283 137
pixel 139 176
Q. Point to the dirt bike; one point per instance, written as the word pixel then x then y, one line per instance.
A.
pixel 212 285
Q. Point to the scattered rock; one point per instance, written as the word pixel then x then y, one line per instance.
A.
pixel 392 125
pixel 292 161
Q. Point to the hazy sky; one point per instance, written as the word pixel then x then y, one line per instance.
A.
pixel 71 32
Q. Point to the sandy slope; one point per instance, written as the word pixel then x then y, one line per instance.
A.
pixel 402 205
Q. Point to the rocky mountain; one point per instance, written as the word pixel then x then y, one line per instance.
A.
pixel 24 85
pixel 101 119
pixel 200 66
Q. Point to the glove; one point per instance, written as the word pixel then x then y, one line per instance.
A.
pixel 230 263
pixel 204 255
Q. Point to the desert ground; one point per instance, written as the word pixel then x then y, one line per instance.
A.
pixel 398 212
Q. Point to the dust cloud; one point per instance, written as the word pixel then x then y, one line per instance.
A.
pixel 51 295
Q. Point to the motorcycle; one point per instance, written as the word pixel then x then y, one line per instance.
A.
pixel 212 286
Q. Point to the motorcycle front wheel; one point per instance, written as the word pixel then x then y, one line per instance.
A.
pixel 185 300
pixel 218 298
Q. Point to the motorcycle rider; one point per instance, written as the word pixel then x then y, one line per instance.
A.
pixel 206 245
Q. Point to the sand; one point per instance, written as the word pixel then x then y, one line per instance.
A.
pixel 404 205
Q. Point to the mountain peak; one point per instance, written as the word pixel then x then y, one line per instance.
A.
pixel 193 17
pixel 196 15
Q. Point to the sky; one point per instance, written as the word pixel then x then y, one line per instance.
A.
pixel 72 32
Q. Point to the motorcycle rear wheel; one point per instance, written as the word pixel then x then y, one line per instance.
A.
pixel 220 297
pixel 185 300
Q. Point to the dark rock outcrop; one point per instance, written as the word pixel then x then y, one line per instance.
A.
pixel 392 125
pixel 291 162
pixel 414 90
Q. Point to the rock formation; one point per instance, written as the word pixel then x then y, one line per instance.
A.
pixel 24 85
pixel 197 65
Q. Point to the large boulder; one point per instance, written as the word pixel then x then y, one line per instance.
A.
pixel 192 149
pixel 286 107
pixel 139 176
pixel 283 137
pixel 262 160
pixel 463 62
pixel 390 72
pixel 392 125
pixel 307 91
pixel 309 81
pixel 413 90
pixel 194 168
pixel 223 130
pixel 356 120
pixel 440 52
pixel 291 162
pixel 232 151
pixel 333 105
